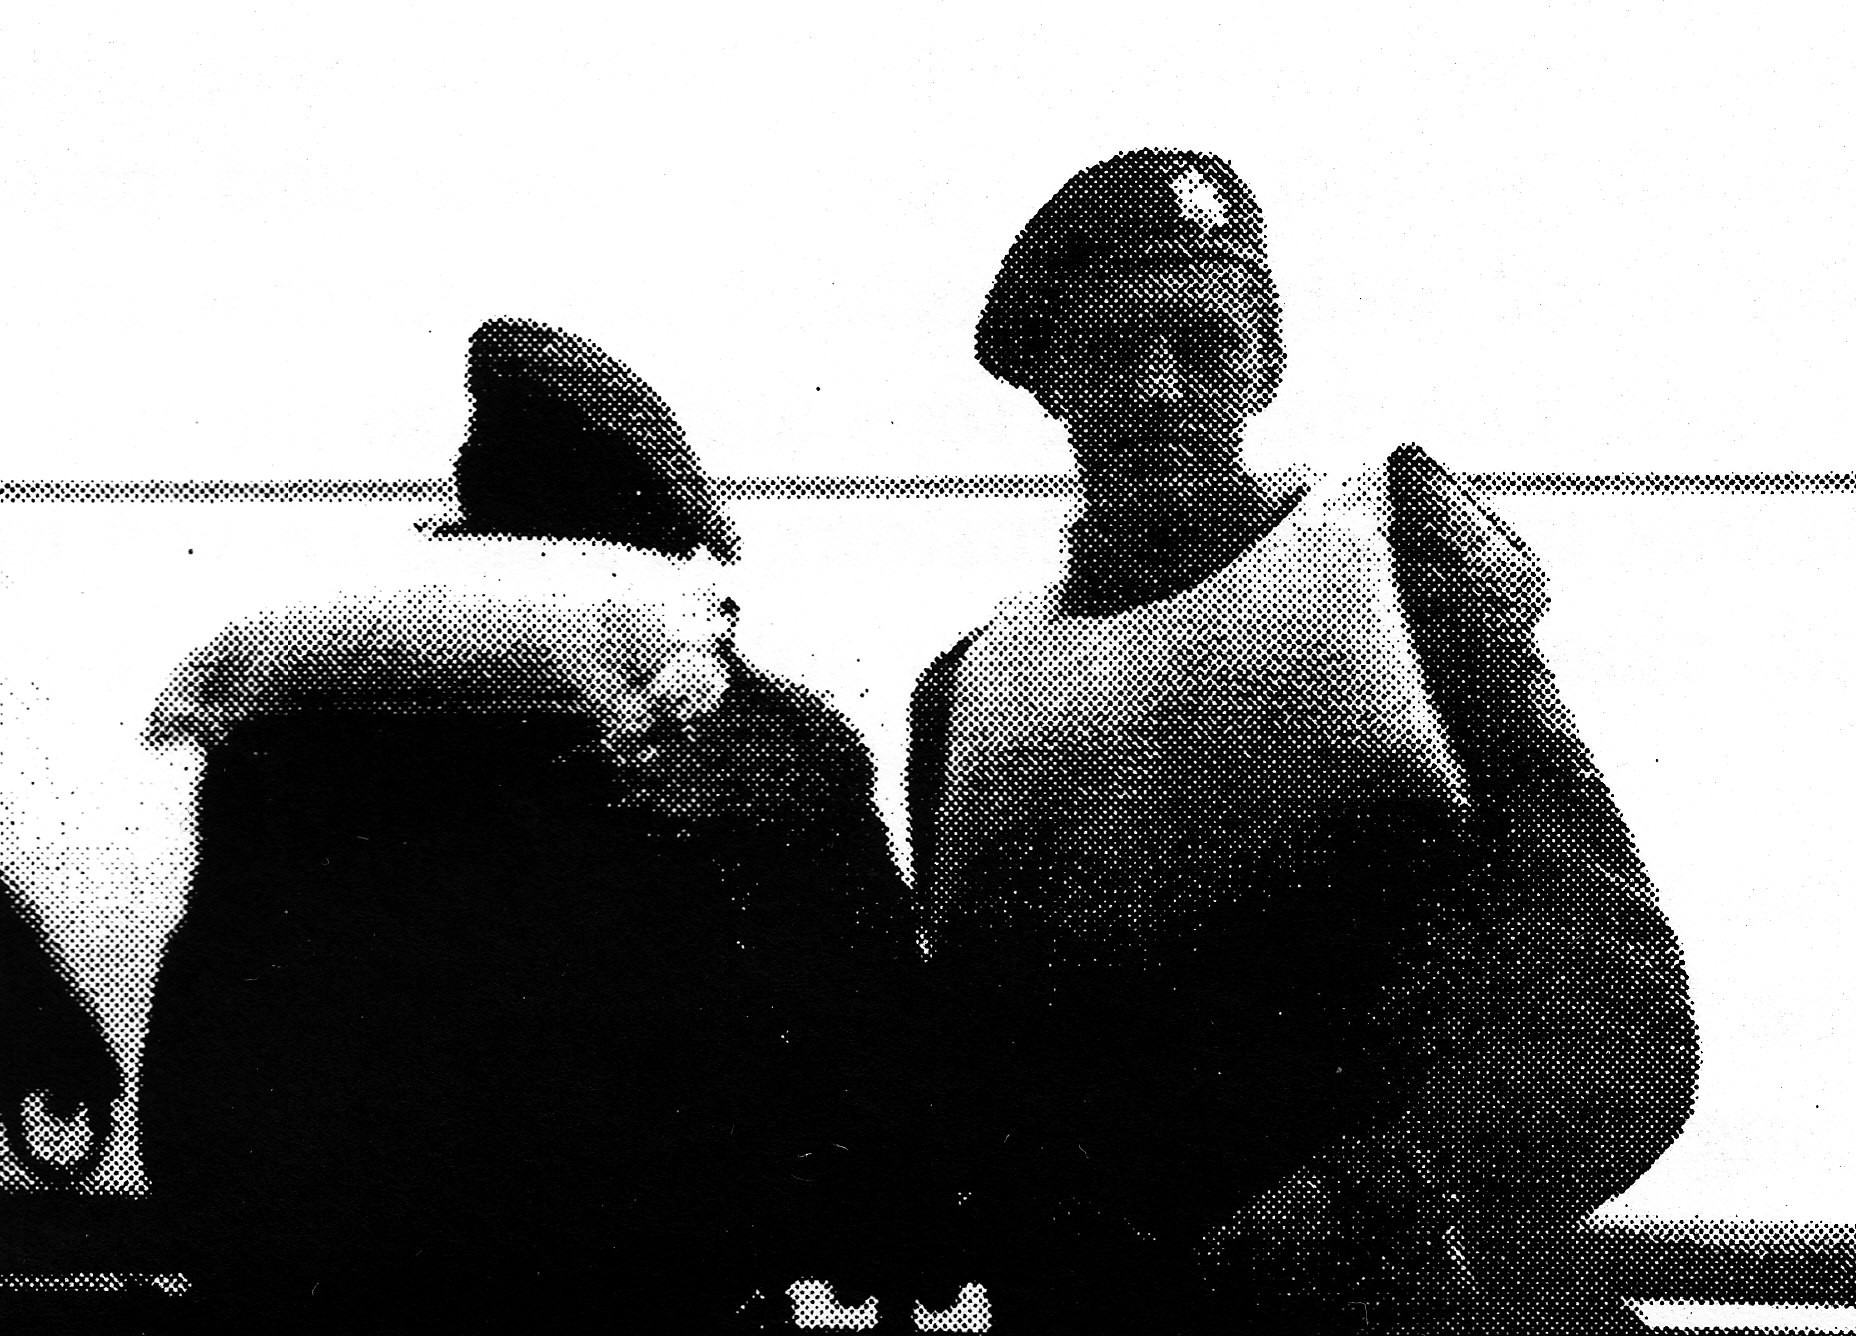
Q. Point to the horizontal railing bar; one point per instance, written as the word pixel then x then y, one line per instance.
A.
pixel 832 487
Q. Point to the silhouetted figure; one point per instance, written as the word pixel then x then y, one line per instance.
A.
pixel 533 943
pixel 1297 970
pixel 57 1076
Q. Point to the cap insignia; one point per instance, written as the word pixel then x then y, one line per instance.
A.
pixel 1199 201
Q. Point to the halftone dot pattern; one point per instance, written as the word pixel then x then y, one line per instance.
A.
pixel 100 1282
pixel 1302 966
pixel 970 1311
pixel 520 911
pixel 136 492
pixel 804 487
pixel 566 441
pixel 1774 1318
pixel 1154 210
pixel 1748 1275
pixel 498 626
pixel 1360 708
pixel 1805 1263
pixel 816 1308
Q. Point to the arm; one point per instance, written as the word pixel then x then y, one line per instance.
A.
pixel 55 1067
pixel 1544 1016
pixel 800 782
pixel 930 709
pixel 1566 1045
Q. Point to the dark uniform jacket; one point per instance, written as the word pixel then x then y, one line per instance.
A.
pixel 459 1004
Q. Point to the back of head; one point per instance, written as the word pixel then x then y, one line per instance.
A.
pixel 566 441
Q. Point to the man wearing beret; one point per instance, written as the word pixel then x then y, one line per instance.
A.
pixel 1298 972
pixel 530 952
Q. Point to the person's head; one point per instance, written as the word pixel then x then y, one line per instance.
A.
pixel 568 442
pixel 1137 307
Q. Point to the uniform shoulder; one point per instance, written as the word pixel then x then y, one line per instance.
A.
pixel 934 688
pixel 1454 550
pixel 783 704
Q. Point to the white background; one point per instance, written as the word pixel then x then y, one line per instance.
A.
pixel 248 243
pixel 249 240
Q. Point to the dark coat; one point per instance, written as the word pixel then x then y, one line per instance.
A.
pixel 1536 1049
pixel 459 994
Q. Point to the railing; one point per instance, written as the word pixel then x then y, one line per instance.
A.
pixel 870 487
pixel 1767 1263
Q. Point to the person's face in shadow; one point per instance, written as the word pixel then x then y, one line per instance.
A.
pixel 1154 370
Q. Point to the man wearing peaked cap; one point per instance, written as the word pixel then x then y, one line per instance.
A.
pixel 535 933
pixel 1296 968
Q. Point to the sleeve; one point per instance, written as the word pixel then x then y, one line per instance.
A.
pixel 52 1054
pixel 630 659
pixel 930 711
pixel 807 780
pixel 1550 1007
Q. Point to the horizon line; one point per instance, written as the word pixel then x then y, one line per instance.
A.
pixel 845 487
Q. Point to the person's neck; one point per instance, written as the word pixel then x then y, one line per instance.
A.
pixel 1122 556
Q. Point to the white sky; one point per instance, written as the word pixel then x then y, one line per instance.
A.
pixel 251 243
pixel 246 241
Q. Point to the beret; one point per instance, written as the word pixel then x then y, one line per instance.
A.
pixel 568 442
pixel 1148 206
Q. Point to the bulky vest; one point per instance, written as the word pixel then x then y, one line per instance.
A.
pixel 1181 853
pixel 1102 769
